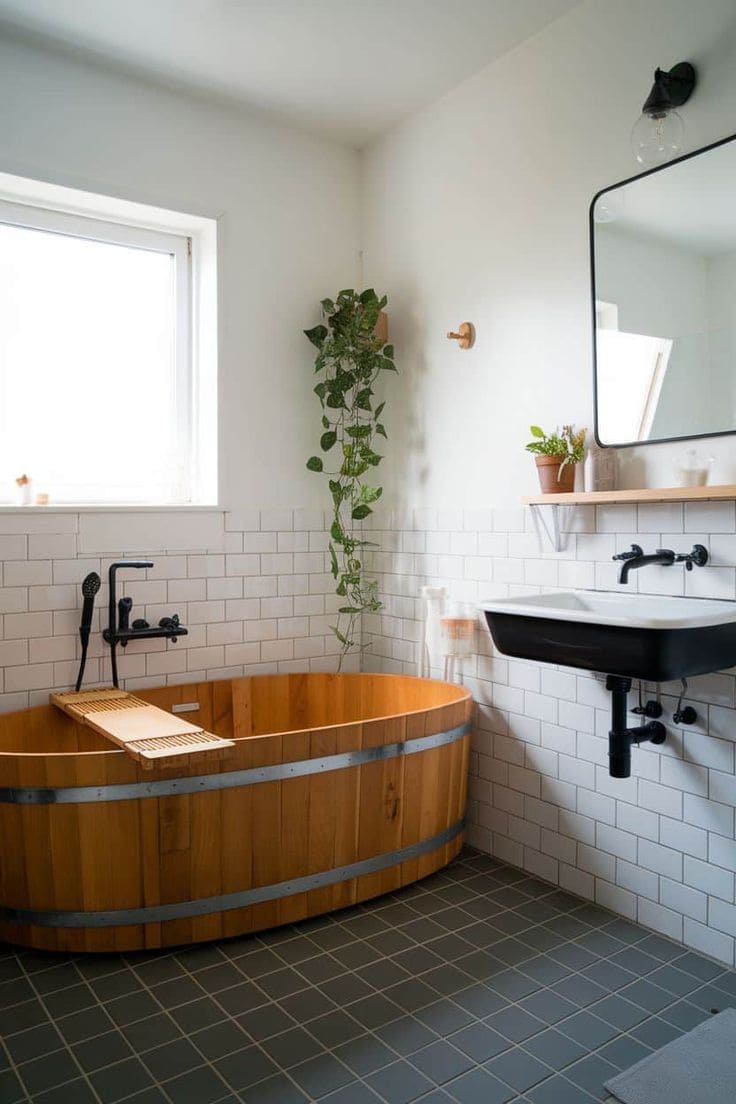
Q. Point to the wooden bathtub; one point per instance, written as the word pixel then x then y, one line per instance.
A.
pixel 338 788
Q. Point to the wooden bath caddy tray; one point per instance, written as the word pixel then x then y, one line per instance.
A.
pixel 145 732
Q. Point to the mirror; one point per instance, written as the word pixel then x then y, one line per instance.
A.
pixel 663 250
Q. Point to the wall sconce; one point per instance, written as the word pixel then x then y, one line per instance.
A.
pixel 465 335
pixel 658 132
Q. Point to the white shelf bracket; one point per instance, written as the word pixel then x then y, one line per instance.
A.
pixel 548 523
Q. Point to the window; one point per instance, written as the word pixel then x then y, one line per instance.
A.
pixel 102 381
pixel 630 370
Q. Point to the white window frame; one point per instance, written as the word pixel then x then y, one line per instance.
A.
pixel 191 241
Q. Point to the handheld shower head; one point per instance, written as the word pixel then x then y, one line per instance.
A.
pixel 90 586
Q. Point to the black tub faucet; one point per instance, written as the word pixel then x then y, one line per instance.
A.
pixel 637 558
pixel 120 631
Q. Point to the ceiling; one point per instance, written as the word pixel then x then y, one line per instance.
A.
pixel 346 68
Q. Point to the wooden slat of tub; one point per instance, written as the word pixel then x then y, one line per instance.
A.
pixel 265 830
pixel 380 804
pixel 294 835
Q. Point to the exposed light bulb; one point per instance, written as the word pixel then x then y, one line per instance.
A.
pixel 657 138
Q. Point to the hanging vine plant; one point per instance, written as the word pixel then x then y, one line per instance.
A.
pixel 349 360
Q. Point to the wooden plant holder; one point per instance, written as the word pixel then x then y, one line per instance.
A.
pixel 148 734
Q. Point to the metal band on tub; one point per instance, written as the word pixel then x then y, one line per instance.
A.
pixel 154 914
pixel 202 783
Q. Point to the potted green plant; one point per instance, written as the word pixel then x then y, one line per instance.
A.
pixel 556 455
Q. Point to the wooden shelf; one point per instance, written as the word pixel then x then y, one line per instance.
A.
pixel 648 494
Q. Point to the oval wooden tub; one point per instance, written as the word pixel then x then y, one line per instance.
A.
pixel 338 788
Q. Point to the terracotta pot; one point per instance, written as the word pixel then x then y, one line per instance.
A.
pixel 548 468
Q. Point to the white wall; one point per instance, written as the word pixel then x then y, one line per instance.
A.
pixel 477 208
pixel 288 235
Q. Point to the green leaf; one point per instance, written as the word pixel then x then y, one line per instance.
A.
pixel 325 422
pixel 388 351
pixel 320 391
pixel 336 532
pixel 381 429
pixel 358 431
pixel 336 400
pixel 536 431
pixel 327 440
pixel 388 365
pixel 328 306
pixel 317 335
pixel 350 609
pixel 340 637
pixel 315 464
pixel 368 296
pixel 370 494
pixel 379 410
pixel 363 399
pixel 360 512
pixel 334 568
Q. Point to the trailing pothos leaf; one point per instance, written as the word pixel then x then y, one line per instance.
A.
pixel 349 360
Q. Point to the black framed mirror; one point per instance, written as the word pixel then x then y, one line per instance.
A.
pixel 663 271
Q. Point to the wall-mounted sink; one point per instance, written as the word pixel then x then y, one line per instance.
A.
pixel 636 636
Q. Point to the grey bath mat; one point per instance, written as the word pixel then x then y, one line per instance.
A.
pixel 697 1068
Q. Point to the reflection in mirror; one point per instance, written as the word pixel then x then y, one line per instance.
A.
pixel 664 250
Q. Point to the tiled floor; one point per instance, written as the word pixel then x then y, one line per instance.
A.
pixel 480 984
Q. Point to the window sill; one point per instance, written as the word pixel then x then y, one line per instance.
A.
pixel 113 508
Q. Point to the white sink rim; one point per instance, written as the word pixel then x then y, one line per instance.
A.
pixel 606 607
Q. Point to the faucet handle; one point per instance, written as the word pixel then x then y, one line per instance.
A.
pixel 636 550
pixel 698 557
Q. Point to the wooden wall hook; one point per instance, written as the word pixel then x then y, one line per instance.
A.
pixel 465 335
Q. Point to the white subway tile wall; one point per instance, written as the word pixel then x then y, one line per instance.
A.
pixel 658 847
pixel 254 599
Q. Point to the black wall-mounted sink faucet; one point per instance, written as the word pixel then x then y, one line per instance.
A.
pixel 637 558
pixel 120 631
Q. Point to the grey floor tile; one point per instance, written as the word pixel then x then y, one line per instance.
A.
pixel 444 1017
pixel 684 1015
pixel 220 1039
pixel 519 1069
pixel 274 1090
pixel 245 1067
pixel 480 1000
pixel 11 1089
pixel 335 1028
pixel 321 1075
pixel 48 1071
pixel 618 1011
pixel 441 1062
pixel 480 1042
pixel 478 1086
pixel 120 1080
pixel 587 1029
pixel 34 1042
pixel 406 1035
pixel 623 1052
pixel 515 1024
pixel 199 1086
pixel 399 1083
pixel 354 1093
pixel 366 1054
pixel 548 1006
pixel 558 1090
pixel 78 1091
pixel 103 1050
pixel 555 1049
pixel 291 1047
pixel 152 1032
pixel 591 1073
pixel 171 1059
pixel 655 1032
pixel 269 1019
